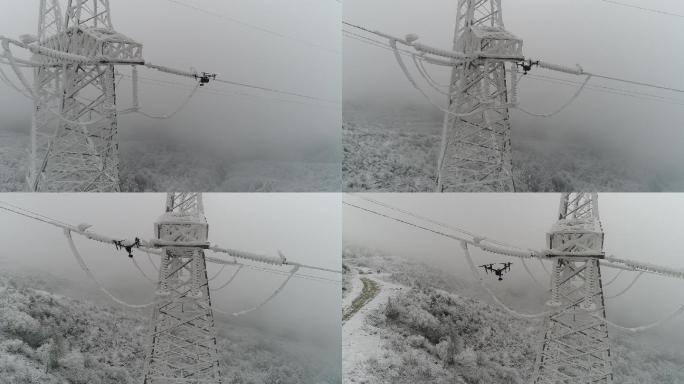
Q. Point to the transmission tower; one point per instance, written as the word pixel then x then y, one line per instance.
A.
pixel 476 144
pixel 576 348
pixel 183 338
pixel 74 137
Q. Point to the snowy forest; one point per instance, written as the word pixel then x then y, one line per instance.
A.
pixel 47 336
pixel 435 327
pixel 154 163
pixel 395 149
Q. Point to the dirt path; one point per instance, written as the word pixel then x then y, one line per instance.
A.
pixel 360 340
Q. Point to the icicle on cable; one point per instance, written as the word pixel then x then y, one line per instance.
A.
pixel 88 272
pixel 273 295
pixel 524 263
pixel 642 328
pixel 149 258
pixel 9 83
pixel 438 223
pixel 174 112
pixel 479 280
pixel 428 79
pixel 614 278
pixel 137 266
pixel 628 287
pixel 218 273
pixel 544 267
pixel 32 95
pixel 230 280
pixel 420 62
pixel 402 65
pixel 562 107
pixel 15 68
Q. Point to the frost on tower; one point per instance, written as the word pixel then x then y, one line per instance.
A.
pixel 476 148
pixel 74 140
pixel 183 338
pixel 576 348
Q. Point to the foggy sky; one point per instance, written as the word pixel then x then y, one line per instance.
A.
pixel 603 38
pixel 304 227
pixel 246 124
pixel 641 227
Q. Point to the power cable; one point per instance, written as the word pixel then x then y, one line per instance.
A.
pixel 643 8
pixel 252 26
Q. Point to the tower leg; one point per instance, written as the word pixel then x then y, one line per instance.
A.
pixel 576 347
pixel 183 336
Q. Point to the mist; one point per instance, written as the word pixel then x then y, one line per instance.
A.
pixel 604 38
pixel 641 227
pixel 236 123
pixel 305 228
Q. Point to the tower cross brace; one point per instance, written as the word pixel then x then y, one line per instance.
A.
pixel 182 345
pixel 576 348
pixel 475 152
pixel 74 137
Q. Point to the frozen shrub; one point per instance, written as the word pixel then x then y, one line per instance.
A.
pixel 22 326
pixel 391 311
pixel 467 358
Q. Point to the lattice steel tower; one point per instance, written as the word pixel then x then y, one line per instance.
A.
pixel 74 140
pixel 183 338
pixel 576 348
pixel 476 149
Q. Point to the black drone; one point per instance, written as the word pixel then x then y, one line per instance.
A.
pixel 526 65
pixel 128 247
pixel 499 272
pixel 205 77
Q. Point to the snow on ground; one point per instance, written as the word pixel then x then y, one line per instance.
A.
pixel 153 165
pixel 362 341
pixel 356 286
pixel 435 331
pixel 395 149
pixel 13 160
pixel 81 342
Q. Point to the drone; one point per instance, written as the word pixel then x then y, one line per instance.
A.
pixel 128 247
pixel 205 77
pixel 499 272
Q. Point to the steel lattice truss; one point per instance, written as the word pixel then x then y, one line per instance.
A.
pixel 183 338
pixel 476 148
pixel 576 348
pixel 74 139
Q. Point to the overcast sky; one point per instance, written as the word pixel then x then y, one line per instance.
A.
pixel 643 227
pixel 305 227
pixel 243 122
pixel 604 38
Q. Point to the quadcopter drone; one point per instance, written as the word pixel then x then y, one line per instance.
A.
pixel 499 272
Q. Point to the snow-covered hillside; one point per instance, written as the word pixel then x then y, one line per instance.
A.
pixel 150 164
pixel 435 330
pixel 395 149
pixel 47 337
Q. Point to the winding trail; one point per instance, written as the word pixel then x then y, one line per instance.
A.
pixel 362 341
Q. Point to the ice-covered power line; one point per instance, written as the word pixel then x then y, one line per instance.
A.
pixel 605 89
pixel 148 246
pixel 475 153
pixel 448 54
pixel 214 91
pixel 576 324
pixel 537 77
pixel 183 312
pixel 74 130
pixel 488 244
